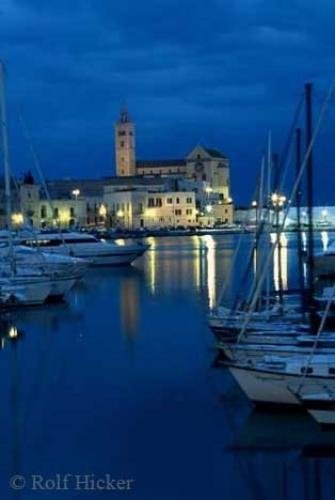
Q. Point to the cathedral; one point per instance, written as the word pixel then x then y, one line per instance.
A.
pixel 204 170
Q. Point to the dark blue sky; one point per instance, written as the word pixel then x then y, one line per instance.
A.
pixel 216 72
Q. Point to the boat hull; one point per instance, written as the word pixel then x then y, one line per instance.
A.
pixel 273 388
pixel 102 259
pixel 24 294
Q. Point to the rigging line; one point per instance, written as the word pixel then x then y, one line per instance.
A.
pixel 283 158
pixel 232 264
pixel 259 233
pixel 280 174
pixel 293 193
pixel 38 167
pixel 256 195
pixel 268 222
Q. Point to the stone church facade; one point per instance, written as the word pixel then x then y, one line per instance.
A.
pixel 204 171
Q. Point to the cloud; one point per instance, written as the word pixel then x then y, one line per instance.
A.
pixel 219 70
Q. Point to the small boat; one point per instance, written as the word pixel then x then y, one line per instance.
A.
pixel 55 264
pixel 87 246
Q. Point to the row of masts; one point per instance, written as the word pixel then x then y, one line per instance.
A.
pixel 281 334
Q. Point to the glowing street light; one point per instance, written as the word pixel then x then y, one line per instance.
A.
pixel 102 210
pixel 120 213
pixel 209 208
pixel 76 193
pixel 17 219
pixel 278 200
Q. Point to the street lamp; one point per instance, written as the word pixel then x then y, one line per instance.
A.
pixel 17 219
pixel 102 210
pixel 254 205
pixel 278 200
pixel 76 193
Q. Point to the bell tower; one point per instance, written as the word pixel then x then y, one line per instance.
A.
pixel 125 145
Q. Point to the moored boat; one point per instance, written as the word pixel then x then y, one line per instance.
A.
pixel 87 246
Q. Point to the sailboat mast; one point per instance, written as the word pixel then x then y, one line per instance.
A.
pixel 310 204
pixel 276 171
pixel 298 208
pixel 268 187
pixel 4 137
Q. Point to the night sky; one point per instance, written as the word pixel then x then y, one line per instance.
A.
pixel 214 72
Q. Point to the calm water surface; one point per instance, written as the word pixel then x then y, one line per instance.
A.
pixel 120 380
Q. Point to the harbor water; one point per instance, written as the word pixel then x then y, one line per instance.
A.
pixel 121 380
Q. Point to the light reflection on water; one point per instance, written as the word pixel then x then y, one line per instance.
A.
pixel 73 399
pixel 280 262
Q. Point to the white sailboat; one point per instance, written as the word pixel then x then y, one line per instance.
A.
pixel 21 290
pixel 275 379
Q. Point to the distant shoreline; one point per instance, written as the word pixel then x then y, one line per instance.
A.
pixel 199 232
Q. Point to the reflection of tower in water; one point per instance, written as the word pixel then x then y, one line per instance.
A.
pixel 129 294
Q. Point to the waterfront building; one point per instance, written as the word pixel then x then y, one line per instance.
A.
pixel 194 190
pixel 135 209
pixel 323 216
pixel 204 171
